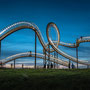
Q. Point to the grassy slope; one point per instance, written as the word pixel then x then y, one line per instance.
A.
pixel 41 79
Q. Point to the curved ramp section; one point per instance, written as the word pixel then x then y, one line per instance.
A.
pixel 38 55
pixel 22 25
pixel 63 53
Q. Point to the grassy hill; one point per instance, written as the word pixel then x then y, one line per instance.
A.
pixel 41 79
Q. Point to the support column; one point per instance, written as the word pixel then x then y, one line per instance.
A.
pixel 30 53
pixel 49 56
pixel 11 65
pixel 44 61
pixel 54 60
pixel 35 48
pixel 87 66
pixel 0 54
pixel 57 61
pixel 14 63
pixel 69 66
pixel 0 49
pixel 22 66
pixel 77 56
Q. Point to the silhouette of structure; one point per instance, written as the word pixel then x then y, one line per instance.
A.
pixel 46 46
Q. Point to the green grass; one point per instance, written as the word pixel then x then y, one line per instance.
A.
pixel 41 79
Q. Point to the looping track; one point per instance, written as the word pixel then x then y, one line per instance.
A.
pixel 22 25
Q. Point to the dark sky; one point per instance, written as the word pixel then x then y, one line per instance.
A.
pixel 71 16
